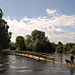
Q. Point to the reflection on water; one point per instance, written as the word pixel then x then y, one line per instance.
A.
pixel 16 65
pixel 72 70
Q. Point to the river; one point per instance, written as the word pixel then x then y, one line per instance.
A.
pixel 17 65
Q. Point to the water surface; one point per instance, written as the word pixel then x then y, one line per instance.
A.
pixel 17 65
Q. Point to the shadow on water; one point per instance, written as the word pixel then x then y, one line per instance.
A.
pixel 3 64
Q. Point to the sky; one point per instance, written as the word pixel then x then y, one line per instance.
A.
pixel 55 17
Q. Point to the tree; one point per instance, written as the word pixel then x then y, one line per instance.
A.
pixel 20 41
pixel 4 34
pixel 29 42
pixel 37 42
pixel 71 48
pixel 1 13
pixel 59 47
pixel 41 42
pixel 12 46
pixel 38 34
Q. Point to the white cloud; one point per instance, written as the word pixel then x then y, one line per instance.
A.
pixel 51 11
pixel 52 27
pixel 63 20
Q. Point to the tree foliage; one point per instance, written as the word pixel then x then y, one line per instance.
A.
pixel 37 41
pixel 12 46
pixel 29 42
pixel 59 47
pixel 4 34
pixel 1 13
pixel 20 42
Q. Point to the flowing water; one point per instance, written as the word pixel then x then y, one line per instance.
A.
pixel 17 65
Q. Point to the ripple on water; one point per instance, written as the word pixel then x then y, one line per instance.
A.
pixel 20 68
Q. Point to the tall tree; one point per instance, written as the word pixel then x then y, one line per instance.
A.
pixel 4 34
pixel 20 42
pixel 1 13
pixel 59 47
pixel 41 42
pixel 29 42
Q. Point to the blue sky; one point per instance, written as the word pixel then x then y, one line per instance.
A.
pixel 55 17
pixel 32 8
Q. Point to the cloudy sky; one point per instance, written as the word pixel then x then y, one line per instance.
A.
pixel 55 17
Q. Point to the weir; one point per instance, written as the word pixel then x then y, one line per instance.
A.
pixel 43 57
